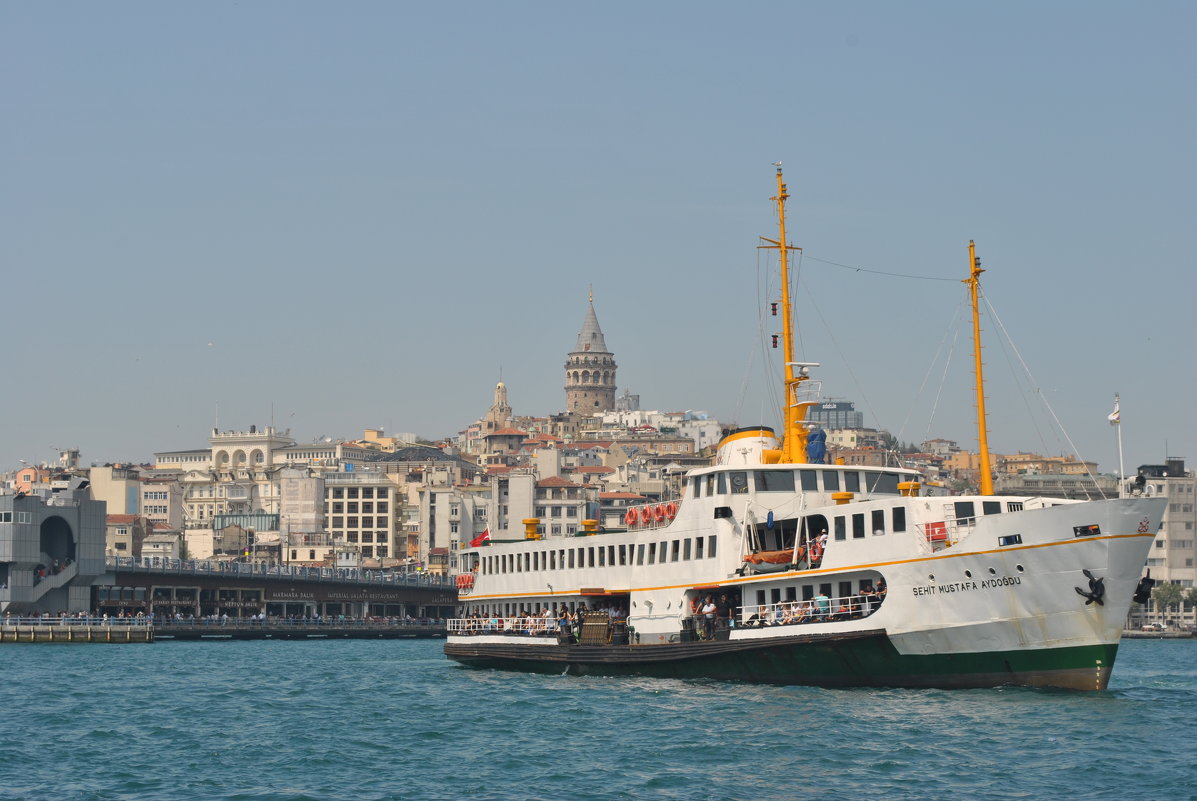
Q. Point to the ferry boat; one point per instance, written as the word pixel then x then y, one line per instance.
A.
pixel 774 568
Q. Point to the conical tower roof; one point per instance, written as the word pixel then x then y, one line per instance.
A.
pixel 590 338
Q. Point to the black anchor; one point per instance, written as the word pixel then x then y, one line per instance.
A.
pixel 1097 590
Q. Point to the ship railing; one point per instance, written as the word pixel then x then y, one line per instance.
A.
pixel 526 626
pixel 786 613
pixel 941 534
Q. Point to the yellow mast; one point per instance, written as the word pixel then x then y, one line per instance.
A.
pixel 974 287
pixel 794 434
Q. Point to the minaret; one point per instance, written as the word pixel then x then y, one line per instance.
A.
pixel 590 370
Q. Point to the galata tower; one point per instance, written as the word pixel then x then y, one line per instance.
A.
pixel 590 370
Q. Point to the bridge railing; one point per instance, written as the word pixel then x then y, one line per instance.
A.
pixel 156 564
pixel 326 621
pixel 72 620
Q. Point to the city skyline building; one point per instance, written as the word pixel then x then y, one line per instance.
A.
pixel 590 370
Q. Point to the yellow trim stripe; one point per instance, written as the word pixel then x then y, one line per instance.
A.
pixel 750 434
pixel 846 568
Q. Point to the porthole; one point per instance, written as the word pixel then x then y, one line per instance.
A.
pixel 931 576
pixel 1019 568
pixel 992 572
pixel 968 574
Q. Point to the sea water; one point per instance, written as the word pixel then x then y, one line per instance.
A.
pixel 361 720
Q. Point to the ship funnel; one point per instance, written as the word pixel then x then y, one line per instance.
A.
pixel 748 446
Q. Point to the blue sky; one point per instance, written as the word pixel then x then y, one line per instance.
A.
pixel 357 215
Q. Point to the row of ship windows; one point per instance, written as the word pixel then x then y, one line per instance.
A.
pixel 650 553
pixel 737 482
pixel 897 523
pixel 965 513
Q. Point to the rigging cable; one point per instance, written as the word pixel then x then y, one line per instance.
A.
pixel 880 272
pixel 1043 397
pixel 954 330
pixel 1031 415
pixel 847 364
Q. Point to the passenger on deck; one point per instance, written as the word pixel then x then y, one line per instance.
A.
pixel 708 617
pixel 564 626
pixel 868 598
pixel 822 605
pixel 807 610
pixel 723 610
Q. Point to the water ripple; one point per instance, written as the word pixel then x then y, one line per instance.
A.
pixel 386 720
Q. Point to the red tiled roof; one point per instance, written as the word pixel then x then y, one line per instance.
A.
pixel 122 518
pixel 497 468
pixel 555 481
pixel 617 496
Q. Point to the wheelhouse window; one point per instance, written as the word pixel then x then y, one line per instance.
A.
pixel 991 507
pixel 878 522
pixel 841 528
pixel 898 519
pixel 739 482
pixel 810 480
pixel 852 481
pixel 858 526
pixel 831 481
pixel 774 480
pixel 881 483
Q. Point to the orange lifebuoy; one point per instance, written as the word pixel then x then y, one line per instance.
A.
pixel 630 518
pixel 816 551
pixel 670 510
pixel 659 512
